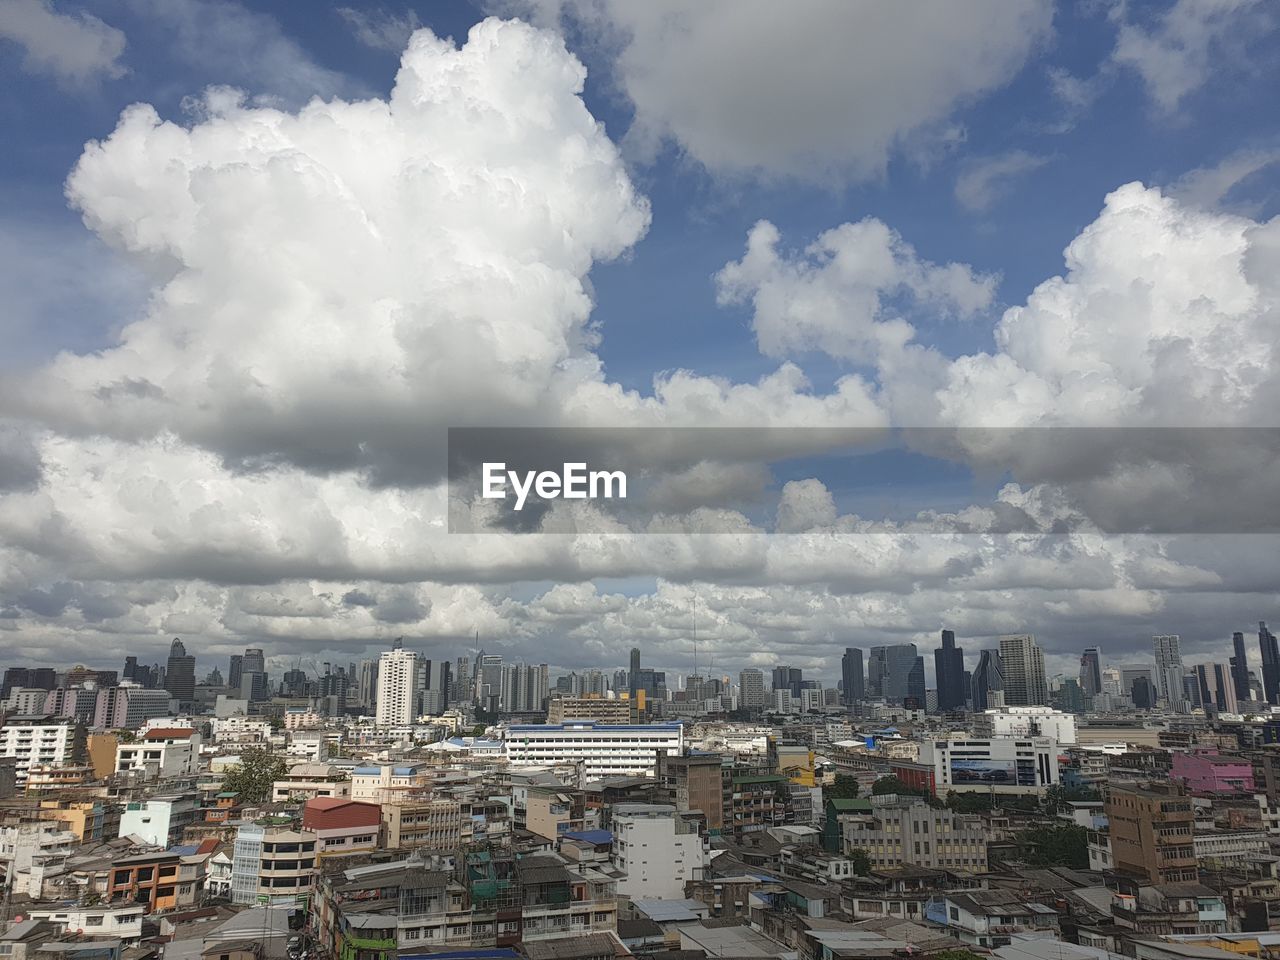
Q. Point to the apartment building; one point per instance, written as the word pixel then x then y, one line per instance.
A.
pixel 695 783
pixel 342 826
pixel 272 861
pixel 41 741
pixel 390 782
pixel 151 879
pixel 598 709
pixel 432 824
pixel 306 781
pixel 1151 831
pixel 160 821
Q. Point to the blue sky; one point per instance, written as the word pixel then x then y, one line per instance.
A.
pixel 254 449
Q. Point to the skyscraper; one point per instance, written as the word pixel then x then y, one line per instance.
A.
pixel 851 676
pixel 397 687
pixel 948 665
pixel 1091 672
pixel 1240 667
pixel 1224 689
pixel 916 694
pixel 888 670
pixel 1023 667
pixel 1168 657
pixel 633 674
pixel 751 692
pixel 1270 663
pixel 524 687
pixel 235 670
pixel 180 674
pixel 253 660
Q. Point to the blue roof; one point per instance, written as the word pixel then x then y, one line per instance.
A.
pixel 589 836
pixel 185 850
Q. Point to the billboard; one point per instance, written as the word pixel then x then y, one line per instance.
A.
pixel 983 771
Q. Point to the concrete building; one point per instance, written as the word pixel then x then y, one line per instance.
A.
pixel 995 765
pixel 305 781
pixel 751 690
pixel 1210 773
pixel 906 830
pixel 604 750
pixel 128 708
pixel 658 852
pixel 390 782
pixel 160 820
pixel 1151 833
pixel 1169 670
pixel 1027 722
pixel 694 783
pixel 598 709
pixel 161 753
pixel 433 824
pixel 270 861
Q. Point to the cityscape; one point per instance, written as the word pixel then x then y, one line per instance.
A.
pixel 639 480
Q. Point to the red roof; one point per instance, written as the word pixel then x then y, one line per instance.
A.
pixel 207 845
pixel 169 733
pixel 328 813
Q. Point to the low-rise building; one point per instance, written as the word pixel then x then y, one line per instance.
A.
pixel 306 781
pixel 272 863
pixel 907 830
pixel 161 754
pixel 342 826
pixel 160 821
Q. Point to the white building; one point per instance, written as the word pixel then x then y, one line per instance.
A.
pixel 308 746
pixel 397 687
pixel 241 730
pixel 657 855
pixel 995 765
pixel 307 780
pixel 26 701
pixel 1027 722
pixel 605 750
pixel 161 754
pixel 32 852
pixel 159 821
pixel 41 741
pixel 114 922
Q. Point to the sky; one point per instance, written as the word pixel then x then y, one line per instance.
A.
pixel 257 258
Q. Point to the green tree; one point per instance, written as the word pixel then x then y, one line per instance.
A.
pixel 1057 845
pixel 861 861
pixel 845 788
pixel 253 776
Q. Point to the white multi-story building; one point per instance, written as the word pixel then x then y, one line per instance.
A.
pixel 128 708
pixel 397 687
pixel 272 864
pixel 310 746
pixel 41 741
pixel 658 853
pixel 25 701
pixel 241 730
pixel 307 780
pixel 1027 722
pixel 116 922
pixel 611 750
pixel 301 718
pixel 390 783
pixel 160 821
pixel 998 764
pixel 161 754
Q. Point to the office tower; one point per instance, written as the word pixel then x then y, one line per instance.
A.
pixel 294 682
pixel 488 679
pixel 1270 663
pixel 888 671
pixel 633 674
pixel 948 665
pixel 130 668
pixel 751 692
pixel 367 688
pixel 1022 663
pixel 916 694
pixel 235 670
pixel 1168 657
pixel 180 674
pixel 1091 672
pixel 253 660
pixel 464 687
pixel 1240 667
pixel 397 687
pixel 1191 689
pixel 1224 689
pixel 1143 693
pixel 437 681
pixel 1203 673
pixel 795 681
pixel 852 678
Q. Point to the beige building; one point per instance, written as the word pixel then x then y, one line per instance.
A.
pixel 306 781
pixel 433 824
pixel 1152 832
pixel 390 782
pixel 906 830
pixel 589 708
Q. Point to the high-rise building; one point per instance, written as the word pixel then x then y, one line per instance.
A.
pixel 1091 672
pixel 180 674
pixel 889 671
pixel 488 680
pixel 397 687
pixel 253 660
pixel 1270 663
pixel 524 687
pixel 781 678
pixel 1022 662
pixel 1168 657
pixel 1224 689
pixel 852 677
pixel 1240 667
pixel 751 692
pixel 948 665
pixel 367 688
pixel 917 696
pixel 235 670
pixel 1152 833
pixel 633 675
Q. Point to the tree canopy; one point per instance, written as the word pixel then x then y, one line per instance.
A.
pixel 253 776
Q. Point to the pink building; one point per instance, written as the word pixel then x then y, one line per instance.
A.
pixel 1211 773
